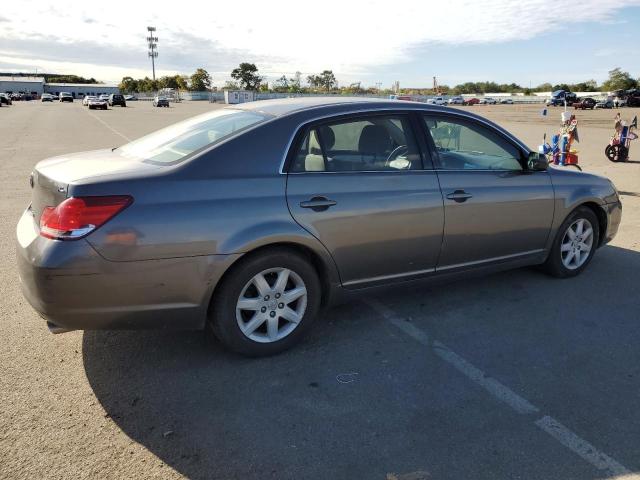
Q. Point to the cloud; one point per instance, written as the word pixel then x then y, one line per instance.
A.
pixel 4 19
pixel 348 37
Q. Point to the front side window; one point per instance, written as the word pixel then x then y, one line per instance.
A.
pixel 462 145
pixel 375 143
pixel 172 144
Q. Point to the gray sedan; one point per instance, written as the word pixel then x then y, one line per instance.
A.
pixel 252 218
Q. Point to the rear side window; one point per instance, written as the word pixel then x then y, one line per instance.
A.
pixel 463 145
pixel 172 144
pixel 375 143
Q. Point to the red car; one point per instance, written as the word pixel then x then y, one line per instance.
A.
pixel 584 103
pixel 471 101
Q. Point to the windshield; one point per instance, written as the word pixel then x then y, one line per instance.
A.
pixel 172 144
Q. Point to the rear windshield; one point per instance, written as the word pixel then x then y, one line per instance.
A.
pixel 173 144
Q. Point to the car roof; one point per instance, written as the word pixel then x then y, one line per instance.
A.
pixel 284 106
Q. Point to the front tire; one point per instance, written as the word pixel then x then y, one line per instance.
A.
pixel 266 303
pixel 575 244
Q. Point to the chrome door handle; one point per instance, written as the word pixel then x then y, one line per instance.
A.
pixel 459 196
pixel 318 204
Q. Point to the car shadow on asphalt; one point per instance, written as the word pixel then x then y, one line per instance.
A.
pixel 209 413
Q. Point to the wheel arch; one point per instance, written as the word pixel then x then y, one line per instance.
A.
pixel 321 262
pixel 601 215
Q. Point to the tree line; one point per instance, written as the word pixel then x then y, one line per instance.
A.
pixel 247 77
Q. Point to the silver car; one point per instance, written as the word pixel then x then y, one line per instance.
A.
pixel 251 218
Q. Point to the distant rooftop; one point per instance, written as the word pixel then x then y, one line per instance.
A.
pixel 88 85
pixel 18 78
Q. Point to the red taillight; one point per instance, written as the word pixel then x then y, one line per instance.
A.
pixel 78 216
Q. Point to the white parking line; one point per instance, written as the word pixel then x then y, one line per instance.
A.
pixel 499 391
pixel 493 386
pixel 108 126
pixel 583 448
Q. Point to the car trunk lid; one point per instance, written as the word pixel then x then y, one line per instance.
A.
pixel 52 178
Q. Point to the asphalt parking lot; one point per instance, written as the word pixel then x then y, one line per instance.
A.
pixel 511 376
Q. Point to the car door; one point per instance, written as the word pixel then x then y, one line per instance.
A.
pixel 358 185
pixel 495 208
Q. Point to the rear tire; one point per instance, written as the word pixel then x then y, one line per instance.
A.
pixel 616 153
pixel 575 244
pixel 266 303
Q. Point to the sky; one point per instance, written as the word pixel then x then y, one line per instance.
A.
pixel 527 41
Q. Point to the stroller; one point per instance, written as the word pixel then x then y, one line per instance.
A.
pixel 618 148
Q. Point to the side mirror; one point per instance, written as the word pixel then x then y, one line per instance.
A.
pixel 537 162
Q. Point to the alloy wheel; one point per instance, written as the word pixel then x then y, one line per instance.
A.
pixel 576 244
pixel 271 305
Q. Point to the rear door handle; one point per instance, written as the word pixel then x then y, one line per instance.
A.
pixel 459 196
pixel 318 204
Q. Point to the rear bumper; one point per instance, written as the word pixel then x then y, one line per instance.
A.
pixel 71 286
pixel 614 216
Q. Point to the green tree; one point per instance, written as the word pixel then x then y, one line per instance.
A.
pixel 200 80
pixel 281 85
pixel 230 85
pixel 295 83
pixel 167 82
pixel 182 82
pixel 128 84
pixel 619 80
pixel 544 87
pixel 68 79
pixel 147 85
pixel 326 80
pixel 247 76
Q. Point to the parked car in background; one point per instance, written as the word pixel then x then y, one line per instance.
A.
pixel 436 101
pixel 160 101
pixel 47 97
pixel 488 101
pixel 607 103
pixel 559 97
pixel 98 104
pixel 5 99
pixel 173 238
pixel 117 99
pixel 619 102
pixel 130 98
pixel 506 101
pixel 633 97
pixel 471 101
pixel 585 103
pixel 65 97
pixel 456 101
pixel 104 97
pixel 87 99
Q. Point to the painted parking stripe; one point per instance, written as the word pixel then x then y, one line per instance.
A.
pixel 583 448
pixel 493 386
pixel 501 392
pixel 108 126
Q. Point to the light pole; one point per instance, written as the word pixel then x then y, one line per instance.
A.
pixel 152 41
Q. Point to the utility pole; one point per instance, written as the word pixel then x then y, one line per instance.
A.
pixel 152 41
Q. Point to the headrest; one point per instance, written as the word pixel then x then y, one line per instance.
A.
pixel 374 140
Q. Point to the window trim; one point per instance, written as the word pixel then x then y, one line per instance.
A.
pixel 446 116
pixel 303 130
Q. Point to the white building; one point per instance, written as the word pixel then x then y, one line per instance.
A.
pixel 79 90
pixel 36 86
pixel 32 85
pixel 238 96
